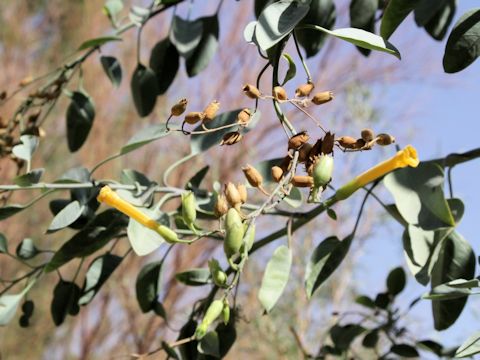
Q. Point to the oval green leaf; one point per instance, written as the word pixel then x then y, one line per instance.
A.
pixel 144 90
pixel 112 68
pixel 164 61
pixel 80 116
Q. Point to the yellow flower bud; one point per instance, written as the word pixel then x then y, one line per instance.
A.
pixel 406 157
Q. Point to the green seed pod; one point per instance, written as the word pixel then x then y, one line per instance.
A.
pixel 218 276
pixel 189 211
pixel 168 234
pixel 226 312
pixel 322 170
pixel 213 312
pixel 248 239
pixel 234 232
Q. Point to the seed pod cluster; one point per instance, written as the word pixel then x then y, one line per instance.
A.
pixel 193 117
pixel 366 141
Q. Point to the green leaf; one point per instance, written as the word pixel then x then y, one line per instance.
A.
pixel 26 149
pixel 194 277
pixel 470 347
pixel 98 42
pixel 425 10
pixel 438 26
pixel 456 261
pixel 65 301
pixel 195 181
pixel 80 116
pixel 463 43
pixel 343 336
pixel 395 12
pixel 321 13
pixel 249 32
pixel 365 301
pixel 202 142
pixel 209 344
pixel 396 281
pixel 260 5
pixel 143 239
pixel 206 48
pixel 3 244
pixel 164 61
pixel 112 8
pixel 103 228
pixel 277 20
pixel 371 339
pixel 418 193
pixel 138 15
pixel 30 178
pixel 170 351
pixel 75 175
pixel 404 350
pixel 227 334
pixel 97 274
pixel 144 90
pixel 10 210
pixel 445 292
pixel 362 16
pixel 147 285
pixel 112 68
pixel 332 214
pixel 9 304
pixel 67 216
pixel 275 277
pixel 142 198
pixel 431 346
pixel 26 249
pixel 362 38
pixel 186 35
pixel 422 250
pixel 144 137
pixel 325 259
pixel 292 69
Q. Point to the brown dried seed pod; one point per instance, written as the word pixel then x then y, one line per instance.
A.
pixel 286 164
pixel 242 190
pixel 179 108
pixel 298 140
pixel 243 117
pixel 211 110
pixel 3 123
pixel 385 139
pixel 347 142
pixel 231 138
pixel 360 143
pixel 193 117
pixel 25 81
pixel 322 97
pixel 279 93
pixel 304 90
pixel 277 173
pixel 232 195
pixel 302 181
pixel 253 176
pixel 3 95
pixel 221 206
pixel 251 91
pixel 304 152
pixel 328 142
pixel 367 134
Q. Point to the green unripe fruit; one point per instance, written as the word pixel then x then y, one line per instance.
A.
pixel 167 234
pixel 213 312
pixel 226 312
pixel 248 238
pixel 218 276
pixel 234 232
pixel 322 170
pixel 189 211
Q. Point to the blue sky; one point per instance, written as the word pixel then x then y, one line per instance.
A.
pixel 445 121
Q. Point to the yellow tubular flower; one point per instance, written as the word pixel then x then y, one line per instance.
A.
pixel 110 197
pixel 403 158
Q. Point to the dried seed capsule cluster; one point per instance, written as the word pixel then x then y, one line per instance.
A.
pixel 366 140
pixel 193 117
